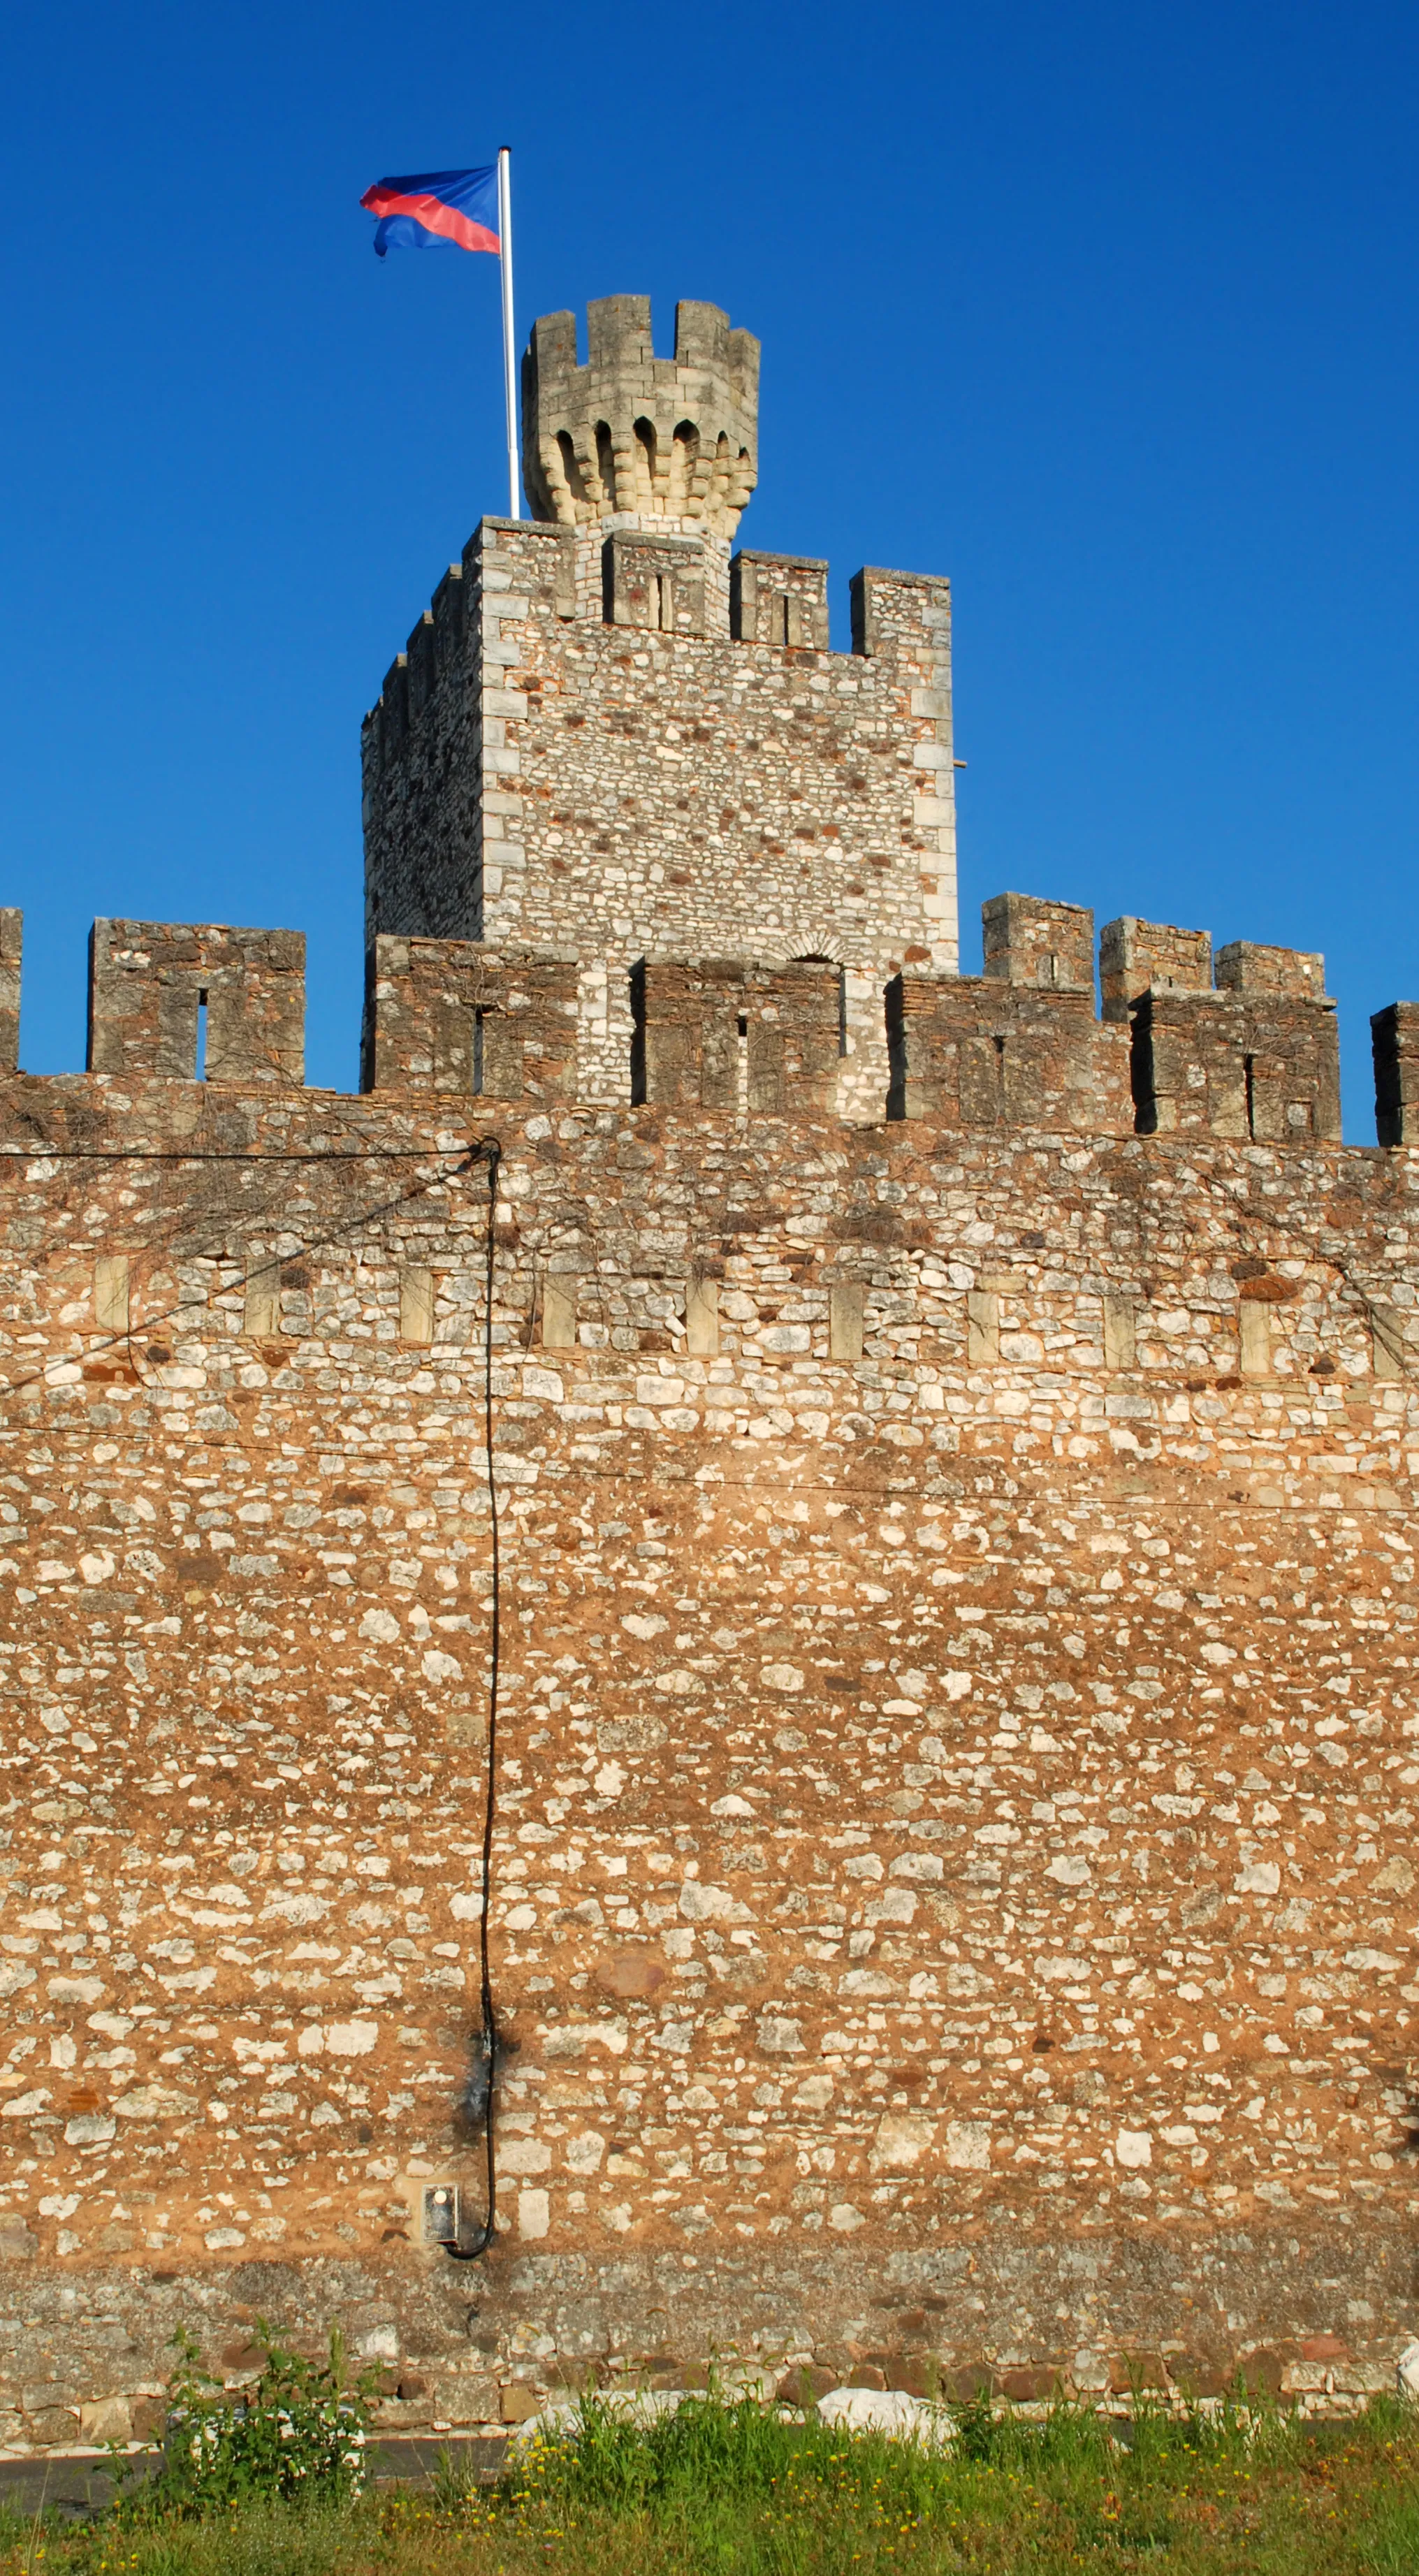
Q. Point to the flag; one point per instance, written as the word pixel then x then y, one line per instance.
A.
pixel 436 206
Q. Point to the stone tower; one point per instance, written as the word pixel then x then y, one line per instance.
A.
pixel 612 737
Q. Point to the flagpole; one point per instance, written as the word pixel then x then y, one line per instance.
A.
pixel 509 346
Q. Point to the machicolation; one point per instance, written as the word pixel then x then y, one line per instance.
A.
pixel 953 1902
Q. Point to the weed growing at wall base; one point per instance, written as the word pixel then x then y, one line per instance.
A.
pixel 737 2491
pixel 299 2427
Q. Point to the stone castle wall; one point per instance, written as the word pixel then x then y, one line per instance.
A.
pixel 953 1902
pixel 953 1894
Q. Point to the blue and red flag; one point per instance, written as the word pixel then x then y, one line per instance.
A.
pixel 436 206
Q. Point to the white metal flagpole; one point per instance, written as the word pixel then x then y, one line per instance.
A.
pixel 509 347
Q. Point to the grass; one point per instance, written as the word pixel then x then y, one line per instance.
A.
pixel 721 2490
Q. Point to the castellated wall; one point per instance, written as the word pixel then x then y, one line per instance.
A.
pixel 954 1895
pixel 545 768
pixel 953 1909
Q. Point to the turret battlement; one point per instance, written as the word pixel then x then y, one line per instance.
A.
pixel 662 442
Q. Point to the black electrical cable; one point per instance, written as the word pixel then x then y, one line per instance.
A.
pixel 214 1154
pixel 482 2085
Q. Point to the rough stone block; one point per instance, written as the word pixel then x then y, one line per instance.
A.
pixel 261 1294
pixel 1135 956
pixel 559 1305
pixel 982 1328
pixel 1389 1357
pixel 449 1015
pixel 1394 1036
pixel 804 2382
pixel 779 599
pixel 416 1304
pixel 1030 2385
pixel 11 940
pixel 1031 942
pixel 107 2419
pixel 1119 1332
pixel 702 1318
pixel 1134 2370
pixel 847 1303
pixel 1254 1328
pixel 752 1039
pixel 111 1292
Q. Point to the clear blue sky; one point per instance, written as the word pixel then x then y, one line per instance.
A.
pixel 1107 311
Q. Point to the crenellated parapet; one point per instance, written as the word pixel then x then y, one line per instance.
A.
pixel 1254 1056
pixel 1015 1051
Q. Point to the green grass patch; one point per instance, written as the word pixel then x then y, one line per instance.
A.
pixel 727 2490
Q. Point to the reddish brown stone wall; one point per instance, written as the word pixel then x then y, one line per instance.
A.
pixel 954 1889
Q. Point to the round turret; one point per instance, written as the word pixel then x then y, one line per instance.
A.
pixel 635 440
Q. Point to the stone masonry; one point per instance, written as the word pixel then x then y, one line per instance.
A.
pixel 953 1899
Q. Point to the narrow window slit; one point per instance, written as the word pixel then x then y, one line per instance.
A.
pixel 201 1063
